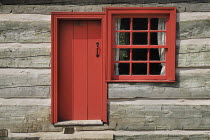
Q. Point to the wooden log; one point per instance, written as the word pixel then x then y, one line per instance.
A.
pixel 24 77
pixel 25 55
pixel 193 53
pixel 191 83
pixel 141 115
pixel 26 115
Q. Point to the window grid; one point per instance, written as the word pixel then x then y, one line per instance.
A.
pixel 148 46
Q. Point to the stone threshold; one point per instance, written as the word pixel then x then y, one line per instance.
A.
pixel 79 123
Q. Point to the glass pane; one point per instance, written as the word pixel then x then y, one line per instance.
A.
pixel 122 38
pixel 157 54
pixel 158 38
pixel 157 68
pixel 122 24
pixel 139 68
pixel 140 38
pixel 122 54
pixel 122 68
pixel 140 24
pixel 158 24
pixel 139 54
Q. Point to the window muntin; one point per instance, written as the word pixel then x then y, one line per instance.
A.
pixel 145 37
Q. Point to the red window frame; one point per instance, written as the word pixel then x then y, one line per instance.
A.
pixel 144 12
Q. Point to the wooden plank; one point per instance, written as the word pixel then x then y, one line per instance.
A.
pixel 94 63
pixel 65 71
pixel 80 70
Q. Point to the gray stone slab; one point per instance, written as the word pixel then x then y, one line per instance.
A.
pixel 79 123
pixel 191 83
pixel 26 115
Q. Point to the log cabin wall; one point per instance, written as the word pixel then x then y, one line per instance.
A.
pixel 183 106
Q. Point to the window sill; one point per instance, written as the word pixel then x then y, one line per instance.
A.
pixel 139 81
pixel 79 123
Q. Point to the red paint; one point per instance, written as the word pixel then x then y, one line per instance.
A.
pixel 78 78
pixel 142 12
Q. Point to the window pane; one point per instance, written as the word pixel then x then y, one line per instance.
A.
pixel 139 68
pixel 122 54
pixel 158 38
pixel 157 68
pixel 158 24
pixel 157 54
pixel 122 24
pixel 122 68
pixel 122 38
pixel 140 24
pixel 139 54
pixel 140 38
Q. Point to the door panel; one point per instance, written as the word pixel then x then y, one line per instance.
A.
pixel 94 71
pixel 80 71
pixel 65 70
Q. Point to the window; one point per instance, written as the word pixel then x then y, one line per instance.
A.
pixel 142 44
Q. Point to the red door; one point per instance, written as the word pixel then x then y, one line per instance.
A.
pixel 79 70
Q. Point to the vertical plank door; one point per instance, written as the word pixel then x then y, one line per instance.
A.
pixel 80 71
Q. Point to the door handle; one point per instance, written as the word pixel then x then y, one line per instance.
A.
pixel 97 49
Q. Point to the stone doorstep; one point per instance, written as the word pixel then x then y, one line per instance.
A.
pixel 109 135
pixel 79 123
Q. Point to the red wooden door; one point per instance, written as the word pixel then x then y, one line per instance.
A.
pixel 79 70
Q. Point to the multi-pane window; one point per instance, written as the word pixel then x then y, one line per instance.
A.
pixel 141 44
pixel 140 47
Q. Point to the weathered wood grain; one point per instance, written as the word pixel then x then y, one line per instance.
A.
pixel 193 53
pixel 87 2
pixel 160 114
pixel 25 83
pixel 25 29
pixel 24 77
pixel 26 115
pixel 191 83
pixel 29 31
pixel 193 29
pixel 190 53
pixel 47 9
pixel 25 92
pixel 25 55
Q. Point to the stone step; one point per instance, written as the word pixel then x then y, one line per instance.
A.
pixel 83 135
pixel 116 135
pixel 162 135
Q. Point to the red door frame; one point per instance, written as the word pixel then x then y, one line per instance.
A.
pixel 55 17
